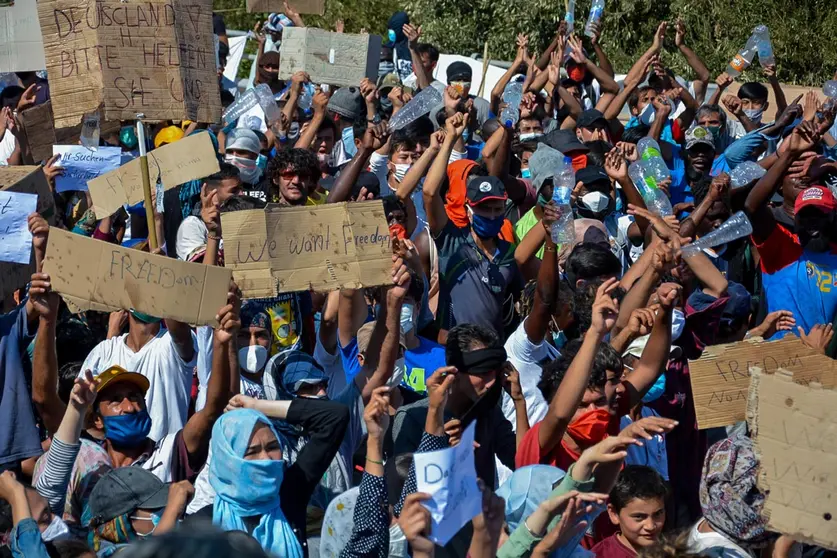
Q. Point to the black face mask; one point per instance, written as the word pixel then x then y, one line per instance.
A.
pixel 817 244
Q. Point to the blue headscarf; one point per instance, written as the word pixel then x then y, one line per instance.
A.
pixel 246 488
pixel 526 489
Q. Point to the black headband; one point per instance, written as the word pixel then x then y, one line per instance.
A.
pixel 479 362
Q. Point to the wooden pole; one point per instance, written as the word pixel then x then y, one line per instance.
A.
pixel 146 186
pixel 484 69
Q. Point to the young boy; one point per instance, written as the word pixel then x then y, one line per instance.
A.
pixel 637 508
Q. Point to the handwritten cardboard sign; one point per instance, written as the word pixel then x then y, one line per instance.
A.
pixel 15 238
pixel 154 57
pixel 449 477
pixel 173 164
pixel 28 180
pixel 721 376
pixel 21 45
pixel 277 6
pixel 81 164
pixel 92 274
pixel 797 449
pixel 334 58
pixel 287 249
pixel 39 133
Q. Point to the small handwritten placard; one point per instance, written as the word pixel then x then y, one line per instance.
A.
pixel 721 376
pixel 450 478
pixel 92 274
pixel 81 164
pixel 15 238
pixel 287 249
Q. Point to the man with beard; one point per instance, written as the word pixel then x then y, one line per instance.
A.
pixel 799 270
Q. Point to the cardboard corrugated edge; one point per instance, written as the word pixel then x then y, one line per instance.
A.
pixel 315 7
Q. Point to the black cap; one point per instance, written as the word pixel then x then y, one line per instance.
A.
pixel 564 141
pixel 482 188
pixel 591 174
pixel 459 71
pixel 590 117
pixel 124 490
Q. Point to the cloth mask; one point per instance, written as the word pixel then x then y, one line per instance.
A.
pixel 715 131
pixel 486 227
pixel 590 428
pixel 129 430
pixel 526 173
pixel 678 324
pixel 656 391
pixel 252 358
pixel 648 114
pixel 56 531
pixel 408 318
pixel 577 73
pixel 248 169
pixel 401 171
pixel 754 115
pixel 398 231
pixel 145 318
pixel 531 136
pixel 595 201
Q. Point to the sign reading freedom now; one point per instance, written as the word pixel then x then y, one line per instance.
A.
pixel 155 57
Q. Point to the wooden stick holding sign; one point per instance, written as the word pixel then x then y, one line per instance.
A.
pixel 146 185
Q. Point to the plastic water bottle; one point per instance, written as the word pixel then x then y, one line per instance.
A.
pixel 596 12
pixel 306 97
pixel 649 152
pixel 421 104
pixel 563 230
pixel 737 226
pixel 90 131
pixel 643 178
pixel 745 173
pixel 569 17
pixel 744 58
pixel 245 102
pixel 512 95
pixel 765 47
pixel 268 103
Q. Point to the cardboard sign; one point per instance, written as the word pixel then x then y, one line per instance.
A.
pixel 81 164
pixel 278 6
pixel 98 275
pixel 173 164
pixel 334 58
pixel 154 57
pixel 797 451
pixel 449 477
pixel 29 180
pixel 21 44
pixel 15 238
pixel 288 249
pixel 721 376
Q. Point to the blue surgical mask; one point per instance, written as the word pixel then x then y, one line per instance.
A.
pixel 647 115
pixel 526 173
pixel 129 430
pixel 485 227
pixel 349 141
pixel 559 339
pixel 261 162
pixel 656 391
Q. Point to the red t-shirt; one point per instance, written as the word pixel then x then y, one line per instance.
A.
pixel 612 548
pixel 529 452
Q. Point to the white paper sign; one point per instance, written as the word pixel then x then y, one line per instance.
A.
pixel 15 238
pixel 21 44
pixel 82 164
pixel 450 478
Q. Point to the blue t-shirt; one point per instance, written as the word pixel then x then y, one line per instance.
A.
pixel 420 362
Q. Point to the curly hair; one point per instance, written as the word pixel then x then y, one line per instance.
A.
pixel 300 160
pixel 553 373
pixel 673 545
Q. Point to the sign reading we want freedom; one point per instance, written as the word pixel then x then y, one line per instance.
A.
pixel 155 57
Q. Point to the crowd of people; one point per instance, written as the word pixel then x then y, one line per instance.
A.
pixel 290 429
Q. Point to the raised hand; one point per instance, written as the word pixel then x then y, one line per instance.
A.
pixel 668 294
pixel 648 427
pixel 400 278
pixel 641 322
pixel 511 382
pixel 723 81
pixel 818 338
pixel 413 34
pixel 616 166
pixel 576 50
pixel 376 413
pixel 659 36
pixel 229 319
pixel 733 104
pixel 605 308
pixel 41 297
pixel 438 386
pixel 27 100
pixel 414 522
pixel 241 402
pixel 210 210
pixel 780 320
pixel 679 33
pixel 84 391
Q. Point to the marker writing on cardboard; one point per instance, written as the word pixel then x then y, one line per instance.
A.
pixel 121 263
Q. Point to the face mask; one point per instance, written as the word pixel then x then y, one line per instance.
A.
pixel 397 543
pixel 145 318
pixel 56 531
pixel 349 141
pixel 391 35
pixel 647 115
pixel 678 323
pixel 715 130
pixel 485 227
pixel 577 73
pixel 252 358
pixel 525 173
pixel 398 231
pixel 128 430
pixel 590 428
pixel 596 202
pixel 338 155
pixel 128 137
pixel 542 200
pixel 529 137
pixel 819 244
pixel 401 171
pixel 754 115
pixel 408 318
pixel 324 159
pixel 656 390
pixel 247 168
pixel 261 162
pixel 386 104
pixel 559 339
pixel 155 520
pixel 461 86
pixel 398 372
pixel 293 131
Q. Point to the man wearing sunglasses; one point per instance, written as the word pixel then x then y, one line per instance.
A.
pixel 293 174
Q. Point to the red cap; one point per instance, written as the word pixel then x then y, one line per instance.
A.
pixel 816 196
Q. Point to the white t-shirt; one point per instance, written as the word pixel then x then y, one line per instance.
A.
pixel 191 236
pixel 170 378
pixel 714 545
pixel 7 147
pixel 529 359
pixel 159 462
pixel 411 81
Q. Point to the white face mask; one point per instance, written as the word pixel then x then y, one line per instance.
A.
pixel 678 324
pixel 248 169
pixel 648 114
pixel 252 358
pixel 397 543
pixel 56 531
pixel 399 370
pixel 529 137
pixel 754 115
pixel 595 201
pixel 408 318
pixel 401 171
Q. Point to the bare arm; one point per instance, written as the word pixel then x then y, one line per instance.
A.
pixel 413 33
pixel 419 169
pixel 307 137
pixel 536 323
pixel 437 217
pixel 329 321
pixel 655 355
pixel 351 315
pixel 693 60
pixel 45 367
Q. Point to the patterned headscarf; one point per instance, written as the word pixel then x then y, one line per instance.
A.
pixel 254 315
pixel 730 501
pixel 247 488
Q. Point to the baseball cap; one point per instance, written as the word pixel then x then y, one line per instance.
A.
pixel 738 306
pixel 124 490
pixel 387 82
pixel 564 141
pixel 698 135
pixel 482 188
pixel 459 71
pixel 292 369
pixel 244 139
pixel 591 174
pixel 170 134
pixel 590 117
pixel 116 374
pixel 816 196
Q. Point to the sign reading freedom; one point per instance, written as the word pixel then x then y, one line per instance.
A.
pixel 154 57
